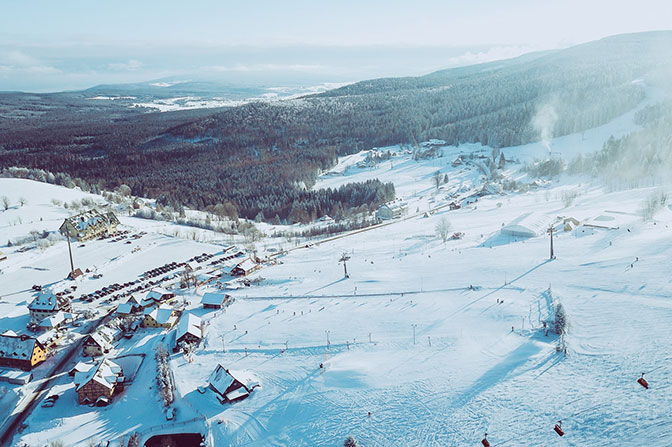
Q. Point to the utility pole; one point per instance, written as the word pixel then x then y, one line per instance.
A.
pixel 72 265
pixel 223 345
pixel 328 342
pixel 550 232
pixel 344 258
pixel 414 326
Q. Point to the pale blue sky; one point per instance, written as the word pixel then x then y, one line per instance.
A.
pixel 49 45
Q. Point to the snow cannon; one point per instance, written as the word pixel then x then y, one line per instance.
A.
pixel 642 381
pixel 558 429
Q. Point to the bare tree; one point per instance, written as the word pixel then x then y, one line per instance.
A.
pixel 5 202
pixel 22 201
pixel 443 229
pixel 436 179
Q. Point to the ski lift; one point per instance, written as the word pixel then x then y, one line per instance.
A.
pixel 485 441
pixel 642 381
pixel 558 429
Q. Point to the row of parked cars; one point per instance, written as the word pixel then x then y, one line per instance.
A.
pixel 163 269
pixel 201 258
pixel 227 258
pixel 116 237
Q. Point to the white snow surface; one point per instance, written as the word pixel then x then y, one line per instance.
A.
pixel 480 360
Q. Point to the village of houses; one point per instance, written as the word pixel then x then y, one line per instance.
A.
pixel 96 330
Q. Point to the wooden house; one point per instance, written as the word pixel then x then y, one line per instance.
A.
pixel 392 210
pixel 189 331
pixel 245 267
pixel 98 384
pixel 89 225
pixel 20 351
pixel 160 317
pixel 227 387
pixel 98 342
pixel 156 296
pixel 214 300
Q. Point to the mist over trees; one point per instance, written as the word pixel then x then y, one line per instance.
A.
pixel 640 158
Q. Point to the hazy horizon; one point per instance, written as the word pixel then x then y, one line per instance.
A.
pixel 47 46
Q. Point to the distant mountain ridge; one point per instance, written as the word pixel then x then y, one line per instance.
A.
pixel 255 155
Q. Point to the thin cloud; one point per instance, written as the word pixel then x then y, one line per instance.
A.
pixel 18 62
pixel 130 65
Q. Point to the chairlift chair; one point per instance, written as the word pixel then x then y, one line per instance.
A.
pixel 558 429
pixel 642 381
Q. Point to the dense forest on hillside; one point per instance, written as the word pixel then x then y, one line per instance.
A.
pixel 266 156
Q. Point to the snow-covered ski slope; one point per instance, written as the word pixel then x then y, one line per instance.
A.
pixel 480 361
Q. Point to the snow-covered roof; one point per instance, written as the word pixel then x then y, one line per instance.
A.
pixel 528 225
pixel 106 373
pixel 163 314
pixel 220 379
pixel 156 294
pixel 18 347
pixel 89 220
pixel 237 393
pixel 101 338
pixel 193 265
pixel 81 367
pixel 395 205
pixel 247 264
pixel 134 300
pixel 125 308
pixel 44 301
pixel 213 298
pixel 188 324
pixel 55 320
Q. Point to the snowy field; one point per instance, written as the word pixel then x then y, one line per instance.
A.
pixel 426 343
